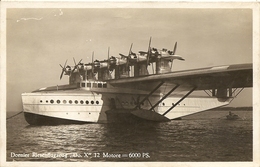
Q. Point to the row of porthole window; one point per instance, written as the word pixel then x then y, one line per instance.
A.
pixel 90 102
pixel 134 103
pixel 70 102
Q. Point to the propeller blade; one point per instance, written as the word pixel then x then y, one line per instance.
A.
pixel 175 47
pixel 61 74
pixel 65 63
pixel 80 61
pixel 76 65
pixel 74 61
pixel 93 62
pixel 149 52
pixel 130 51
pixel 108 61
pixel 129 56
pixel 63 69
pixel 92 57
pixel 171 64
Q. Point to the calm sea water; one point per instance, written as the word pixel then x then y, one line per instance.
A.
pixel 206 136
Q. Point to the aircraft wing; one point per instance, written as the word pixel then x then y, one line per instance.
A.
pixel 228 76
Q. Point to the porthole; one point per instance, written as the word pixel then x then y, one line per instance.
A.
pixel 87 102
pixel 81 101
pixel 46 101
pixel 163 104
pixel 52 101
pixel 40 101
pixel 92 102
pixel 97 102
pixel 76 101
pixel 64 101
pixel 58 101
pixel 70 101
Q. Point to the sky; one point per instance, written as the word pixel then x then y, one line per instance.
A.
pixel 39 39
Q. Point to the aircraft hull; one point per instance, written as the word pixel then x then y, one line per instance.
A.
pixel 81 106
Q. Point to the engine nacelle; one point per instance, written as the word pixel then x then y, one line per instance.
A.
pixel 140 69
pixel 104 74
pixel 121 71
pixel 163 66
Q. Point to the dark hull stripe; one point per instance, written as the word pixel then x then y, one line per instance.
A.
pixel 124 116
pixel 35 119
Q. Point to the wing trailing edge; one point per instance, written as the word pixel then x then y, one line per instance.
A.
pixel 228 76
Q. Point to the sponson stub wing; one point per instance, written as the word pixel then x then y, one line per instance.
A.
pixel 228 76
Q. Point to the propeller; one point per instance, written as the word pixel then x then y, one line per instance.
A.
pixel 76 65
pixel 63 69
pixel 129 56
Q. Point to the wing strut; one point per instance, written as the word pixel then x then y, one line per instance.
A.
pixel 164 97
pixel 179 100
pixel 157 87
pixel 237 93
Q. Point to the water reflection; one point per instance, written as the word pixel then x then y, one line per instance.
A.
pixel 207 139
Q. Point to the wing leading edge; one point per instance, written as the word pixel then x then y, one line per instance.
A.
pixel 229 76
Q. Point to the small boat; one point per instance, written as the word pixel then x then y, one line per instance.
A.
pixel 232 116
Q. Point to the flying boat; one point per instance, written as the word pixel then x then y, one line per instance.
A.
pixel 122 89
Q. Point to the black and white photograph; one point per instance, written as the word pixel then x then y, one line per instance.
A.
pixel 137 83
